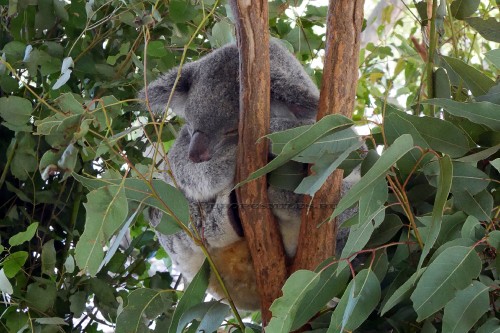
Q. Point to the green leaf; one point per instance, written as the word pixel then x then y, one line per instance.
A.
pixel 222 34
pixel 401 146
pixel 209 315
pixel 174 204
pixel 487 28
pixel 396 125
pixel 463 311
pixel 331 284
pixel 494 57
pixel 387 230
pixel 372 203
pixel 483 113
pixel 451 271
pixel 24 236
pixel 288 176
pixel 444 186
pixel 492 325
pixel 402 292
pixel 481 155
pixel 14 51
pixel 193 295
pixel 371 215
pixel 479 205
pixel 476 81
pixel 106 209
pixel 494 239
pixel 304 294
pixel 69 104
pixel 467 177
pixel 142 304
pixel 291 149
pixel 442 84
pixel 321 170
pixel 472 228
pixel 5 285
pixel 329 145
pixel 15 112
pixel 78 303
pixel 49 258
pixel 359 300
pixel 14 262
pixel 460 9
pixel 41 295
pixel 115 244
pixel 181 11
pixel 440 135
pixel 157 49
pixel 285 308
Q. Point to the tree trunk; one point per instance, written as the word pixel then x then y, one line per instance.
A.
pixel 259 225
pixel 340 77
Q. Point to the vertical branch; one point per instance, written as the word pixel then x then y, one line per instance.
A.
pixel 340 76
pixel 261 230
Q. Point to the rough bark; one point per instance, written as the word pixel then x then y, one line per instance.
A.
pixel 340 76
pixel 259 225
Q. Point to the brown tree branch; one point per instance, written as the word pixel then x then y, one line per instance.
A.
pixel 259 225
pixel 340 76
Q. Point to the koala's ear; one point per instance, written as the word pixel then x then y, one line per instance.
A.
pixel 156 94
pixel 291 85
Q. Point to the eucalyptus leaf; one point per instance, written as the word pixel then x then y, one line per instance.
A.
pixel 494 57
pixel 141 303
pixel 478 83
pixel 461 9
pixel 325 126
pixel 444 187
pixel 193 295
pixel 487 28
pixel 24 236
pixel 359 300
pixel 107 209
pixel 400 147
pixel 15 112
pixel 463 311
pixel 451 271
pixel 48 258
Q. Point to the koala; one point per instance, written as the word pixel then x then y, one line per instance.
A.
pixel 203 161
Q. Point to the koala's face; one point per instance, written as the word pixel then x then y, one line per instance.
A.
pixel 211 109
pixel 204 154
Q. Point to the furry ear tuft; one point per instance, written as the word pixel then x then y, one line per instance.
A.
pixel 157 93
pixel 291 85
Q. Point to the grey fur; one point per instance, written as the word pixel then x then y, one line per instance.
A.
pixel 207 97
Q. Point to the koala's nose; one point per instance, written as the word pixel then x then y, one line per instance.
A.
pixel 199 150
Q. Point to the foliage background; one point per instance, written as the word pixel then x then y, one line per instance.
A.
pixel 69 76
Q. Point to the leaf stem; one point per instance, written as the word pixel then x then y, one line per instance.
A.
pixel 430 60
pixel 10 157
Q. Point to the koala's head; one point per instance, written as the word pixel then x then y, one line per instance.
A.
pixel 207 97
